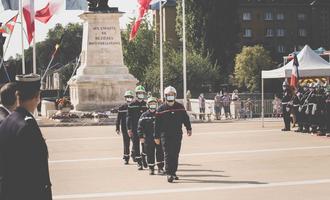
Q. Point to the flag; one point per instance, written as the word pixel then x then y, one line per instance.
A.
pixel 9 26
pixel 295 72
pixel 45 14
pixel 143 9
pixel 76 5
pixel 10 4
pixel 28 13
pixel 57 46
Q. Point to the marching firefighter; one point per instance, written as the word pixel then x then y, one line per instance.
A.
pixel 168 130
pixel 321 110
pixel 296 103
pixel 135 110
pixel 303 107
pixel 285 106
pixel 146 131
pixel 121 124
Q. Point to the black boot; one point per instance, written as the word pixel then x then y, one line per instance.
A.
pixel 175 177
pixel 126 160
pixel 139 163
pixel 151 170
pixel 144 161
pixel 170 178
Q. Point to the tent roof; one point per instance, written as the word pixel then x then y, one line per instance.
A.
pixel 310 65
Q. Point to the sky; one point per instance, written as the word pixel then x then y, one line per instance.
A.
pixel 64 17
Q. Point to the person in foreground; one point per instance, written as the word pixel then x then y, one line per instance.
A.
pixel 146 130
pixel 168 130
pixel 24 150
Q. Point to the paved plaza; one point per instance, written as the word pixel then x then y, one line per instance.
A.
pixel 237 160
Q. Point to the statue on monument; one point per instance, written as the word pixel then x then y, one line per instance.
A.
pixel 100 6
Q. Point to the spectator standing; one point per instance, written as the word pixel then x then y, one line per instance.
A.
pixel 248 108
pixel 226 104
pixel 218 106
pixel 201 101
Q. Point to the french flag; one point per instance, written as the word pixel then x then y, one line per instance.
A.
pixel 295 73
pixel 143 9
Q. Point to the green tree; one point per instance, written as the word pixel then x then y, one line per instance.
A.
pixel 200 72
pixel 248 66
pixel 212 29
pixel 139 53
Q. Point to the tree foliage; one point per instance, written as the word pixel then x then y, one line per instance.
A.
pixel 248 66
pixel 212 29
pixel 139 53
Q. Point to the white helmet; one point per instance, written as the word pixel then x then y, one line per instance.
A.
pixel 169 90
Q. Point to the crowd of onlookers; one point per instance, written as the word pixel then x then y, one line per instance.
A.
pixel 225 105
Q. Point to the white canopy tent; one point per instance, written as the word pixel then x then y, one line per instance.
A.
pixel 310 65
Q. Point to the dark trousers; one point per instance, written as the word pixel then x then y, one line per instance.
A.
pixel 286 118
pixel 202 115
pixel 137 154
pixel 126 144
pixel 171 146
pixel 153 149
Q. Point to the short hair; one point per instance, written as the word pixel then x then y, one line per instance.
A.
pixel 8 94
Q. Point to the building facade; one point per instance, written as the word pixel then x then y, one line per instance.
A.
pixel 282 26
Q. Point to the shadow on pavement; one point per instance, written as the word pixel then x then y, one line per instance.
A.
pixel 183 180
pixel 198 170
pixel 203 175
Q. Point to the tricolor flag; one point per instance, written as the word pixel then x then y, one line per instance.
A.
pixel 9 26
pixel 45 14
pixel 295 73
pixel 143 9
pixel 28 13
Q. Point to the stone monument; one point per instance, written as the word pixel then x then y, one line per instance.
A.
pixel 102 78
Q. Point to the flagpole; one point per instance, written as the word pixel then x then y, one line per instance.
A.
pixel 34 54
pixel 22 34
pixel 161 51
pixel 3 57
pixel 184 53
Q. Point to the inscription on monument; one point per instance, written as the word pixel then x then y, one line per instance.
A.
pixel 103 36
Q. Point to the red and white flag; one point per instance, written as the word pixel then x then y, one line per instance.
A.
pixel 45 14
pixel 143 9
pixel 9 26
pixel 28 12
pixel 295 73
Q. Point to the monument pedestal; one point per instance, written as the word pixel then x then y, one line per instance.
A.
pixel 102 78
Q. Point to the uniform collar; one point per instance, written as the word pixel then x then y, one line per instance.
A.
pixel 2 106
pixel 24 111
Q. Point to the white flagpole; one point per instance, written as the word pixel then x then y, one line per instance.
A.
pixel 184 53
pixel 22 35
pixel 161 51
pixel 34 38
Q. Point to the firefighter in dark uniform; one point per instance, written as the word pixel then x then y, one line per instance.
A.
pixel 25 154
pixel 121 124
pixel 146 131
pixel 168 130
pixel 135 110
pixel 303 107
pixel 327 108
pixel 7 99
pixel 296 104
pixel 311 110
pixel 285 106
pixel 320 110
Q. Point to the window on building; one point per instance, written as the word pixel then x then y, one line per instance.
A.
pixel 247 32
pixel 268 16
pixel 280 32
pixel 301 16
pixel 269 32
pixel 280 49
pixel 302 32
pixel 280 16
pixel 247 16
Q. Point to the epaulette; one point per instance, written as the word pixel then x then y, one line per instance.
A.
pixel 27 118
